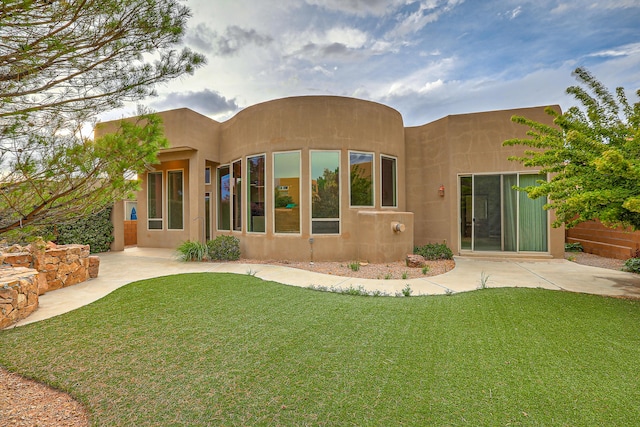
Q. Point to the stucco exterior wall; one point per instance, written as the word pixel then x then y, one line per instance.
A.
pixel 306 124
pixel 462 144
pixel 427 157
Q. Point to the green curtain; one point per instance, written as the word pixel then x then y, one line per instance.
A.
pixel 533 218
pixel 510 214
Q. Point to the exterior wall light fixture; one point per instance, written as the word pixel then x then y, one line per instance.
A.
pixel 441 190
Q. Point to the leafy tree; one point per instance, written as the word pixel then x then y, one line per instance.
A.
pixel 592 154
pixel 361 187
pixel 62 63
pixel 326 200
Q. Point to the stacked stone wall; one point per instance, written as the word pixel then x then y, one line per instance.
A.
pixel 18 293
pixel 28 272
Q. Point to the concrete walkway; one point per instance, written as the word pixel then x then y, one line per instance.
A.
pixel 119 268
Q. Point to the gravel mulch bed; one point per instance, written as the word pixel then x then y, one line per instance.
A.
pixel 28 403
pixel 594 260
pixel 25 403
pixel 390 270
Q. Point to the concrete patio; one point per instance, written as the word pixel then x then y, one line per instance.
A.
pixel 120 268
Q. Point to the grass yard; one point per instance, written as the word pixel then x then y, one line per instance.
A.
pixel 233 350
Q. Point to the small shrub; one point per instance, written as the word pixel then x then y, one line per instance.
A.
pixel 632 265
pixel 406 291
pixel 425 269
pixel 434 251
pixel 573 247
pixel 405 275
pixel 484 279
pixel 192 251
pixel 355 266
pixel 224 248
pixel 387 276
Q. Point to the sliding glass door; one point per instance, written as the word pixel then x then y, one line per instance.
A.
pixel 495 217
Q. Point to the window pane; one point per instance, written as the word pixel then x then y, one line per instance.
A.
pixel 466 212
pixel 237 196
pixel 325 189
pixel 175 198
pixel 325 227
pixel 361 175
pixel 255 210
pixel 286 189
pixel 154 200
pixel 224 198
pixel 533 217
pixel 389 181
pixel 207 215
pixel 207 175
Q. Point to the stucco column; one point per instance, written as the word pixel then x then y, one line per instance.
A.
pixel 117 219
pixel 195 213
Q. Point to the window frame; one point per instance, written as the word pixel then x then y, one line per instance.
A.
pixel 207 175
pixel 236 197
pixel 273 190
pixel 162 207
pixel 248 193
pixel 373 179
pixel 395 182
pixel 181 192
pixel 311 177
pixel 219 195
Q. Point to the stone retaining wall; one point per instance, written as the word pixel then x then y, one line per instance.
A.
pixel 18 293
pixel 28 272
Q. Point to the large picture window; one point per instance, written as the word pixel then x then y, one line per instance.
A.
pixel 325 192
pixel 389 181
pixel 154 200
pixel 256 190
pixel 175 194
pixel 361 179
pixel 286 192
pixel 224 198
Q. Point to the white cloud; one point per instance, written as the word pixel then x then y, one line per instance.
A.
pixel 421 81
pixel 566 6
pixel 230 42
pixel 358 7
pixel 625 50
pixel 428 11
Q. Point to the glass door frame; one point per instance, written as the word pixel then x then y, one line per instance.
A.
pixel 472 197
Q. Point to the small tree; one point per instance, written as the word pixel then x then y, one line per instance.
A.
pixel 592 154
pixel 62 63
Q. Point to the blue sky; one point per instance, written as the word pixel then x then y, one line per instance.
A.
pixel 427 59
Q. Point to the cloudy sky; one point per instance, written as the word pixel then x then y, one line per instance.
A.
pixel 427 59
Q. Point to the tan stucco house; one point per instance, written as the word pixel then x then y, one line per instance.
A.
pixel 335 178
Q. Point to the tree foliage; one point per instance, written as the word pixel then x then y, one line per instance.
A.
pixel 69 57
pixel 361 187
pixel 592 154
pixel 76 178
pixel 61 64
pixel 326 198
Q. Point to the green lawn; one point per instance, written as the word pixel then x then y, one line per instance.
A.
pixel 222 349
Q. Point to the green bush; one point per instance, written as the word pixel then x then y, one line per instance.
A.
pixel 573 247
pixel 434 251
pixel 224 248
pixel 192 251
pixel 632 265
pixel 95 230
